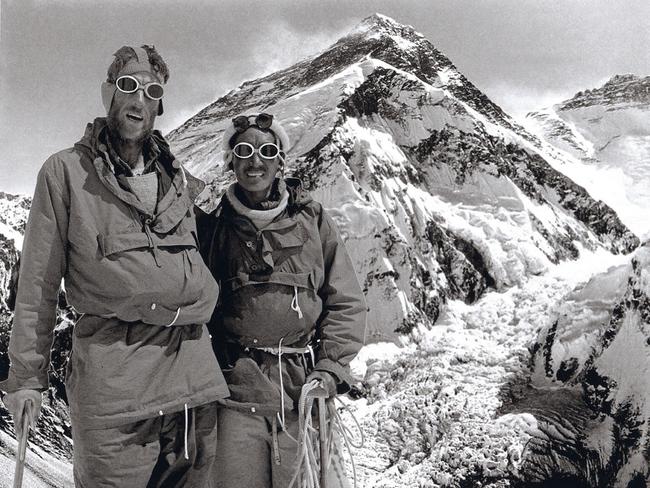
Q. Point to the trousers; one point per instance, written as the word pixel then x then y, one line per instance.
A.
pixel 150 453
pixel 245 456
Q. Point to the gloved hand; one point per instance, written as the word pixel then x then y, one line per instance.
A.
pixel 15 403
pixel 326 380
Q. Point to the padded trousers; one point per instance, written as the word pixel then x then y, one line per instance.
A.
pixel 245 456
pixel 149 453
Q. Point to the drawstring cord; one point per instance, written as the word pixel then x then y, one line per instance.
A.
pixel 279 352
pixel 178 312
pixel 152 244
pixel 187 454
pixel 281 381
pixel 294 303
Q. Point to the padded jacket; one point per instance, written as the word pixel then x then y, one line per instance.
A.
pixel 141 346
pixel 290 284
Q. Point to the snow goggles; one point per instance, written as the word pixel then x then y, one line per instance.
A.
pixel 242 122
pixel 130 84
pixel 244 150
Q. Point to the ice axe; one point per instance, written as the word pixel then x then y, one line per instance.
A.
pixel 321 395
pixel 22 445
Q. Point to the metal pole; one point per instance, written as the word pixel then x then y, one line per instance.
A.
pixel 324 451
pixel 22 446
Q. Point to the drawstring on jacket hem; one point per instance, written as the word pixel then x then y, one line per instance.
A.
pixel 178 312
pixel 187 454
pixel 281 381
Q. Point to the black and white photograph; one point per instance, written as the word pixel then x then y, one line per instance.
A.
pixel 324 244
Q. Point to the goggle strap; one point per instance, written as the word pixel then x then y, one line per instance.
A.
pixel 141 54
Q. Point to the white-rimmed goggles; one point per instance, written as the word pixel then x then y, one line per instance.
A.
pixel 244 150
pixel 130 84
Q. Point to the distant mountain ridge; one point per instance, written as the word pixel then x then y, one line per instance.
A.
pixel 619 89
pixel 607 128
pixel 439 193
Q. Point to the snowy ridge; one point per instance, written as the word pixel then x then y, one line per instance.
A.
pixel 609 128
pixel 438 194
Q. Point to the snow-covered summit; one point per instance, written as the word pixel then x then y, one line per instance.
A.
pixel 438 194
pixel 380 24
pixel 607 129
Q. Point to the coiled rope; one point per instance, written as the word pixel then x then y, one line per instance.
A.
pixel 308 467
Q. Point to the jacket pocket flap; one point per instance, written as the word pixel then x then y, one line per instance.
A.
pixel 113 243
pixel 301 280
pixel 295 237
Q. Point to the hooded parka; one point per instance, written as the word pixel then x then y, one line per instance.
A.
pixel 140 348
pixel 288 285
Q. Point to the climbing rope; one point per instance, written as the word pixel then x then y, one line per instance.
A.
pixel 307 474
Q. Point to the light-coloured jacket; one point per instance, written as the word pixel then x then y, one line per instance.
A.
pixel 141 346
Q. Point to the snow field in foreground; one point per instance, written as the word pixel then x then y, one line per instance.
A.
pixel 42 470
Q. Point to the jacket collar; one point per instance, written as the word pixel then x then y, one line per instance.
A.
pixel 298 198
pixel 174 204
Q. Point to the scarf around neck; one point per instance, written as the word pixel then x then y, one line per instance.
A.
pixel 271 208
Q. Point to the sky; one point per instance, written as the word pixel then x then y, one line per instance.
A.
pixel 524 54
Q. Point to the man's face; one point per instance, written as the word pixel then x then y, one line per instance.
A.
pixel 255 175
pixel 132 115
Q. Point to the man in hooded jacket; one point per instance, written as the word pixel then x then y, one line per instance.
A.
pixel 113 216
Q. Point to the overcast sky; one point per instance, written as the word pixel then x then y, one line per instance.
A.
pixel 524 54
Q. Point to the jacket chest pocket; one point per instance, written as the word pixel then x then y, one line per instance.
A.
pixel 280 244
pixel 111 245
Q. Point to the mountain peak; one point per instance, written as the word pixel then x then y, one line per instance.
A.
pixel 623 89
pixel 379 21
pixel 622 79
pixel 379 25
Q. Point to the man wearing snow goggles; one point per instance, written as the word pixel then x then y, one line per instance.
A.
pixel 130 84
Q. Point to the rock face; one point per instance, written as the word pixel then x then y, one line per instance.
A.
pixel 609 128
pixel 438 193
pixel 53 433
pixel 591 383
pixel 13 218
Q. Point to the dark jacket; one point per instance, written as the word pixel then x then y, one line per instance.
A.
pixel 130 274
pixel 292 281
